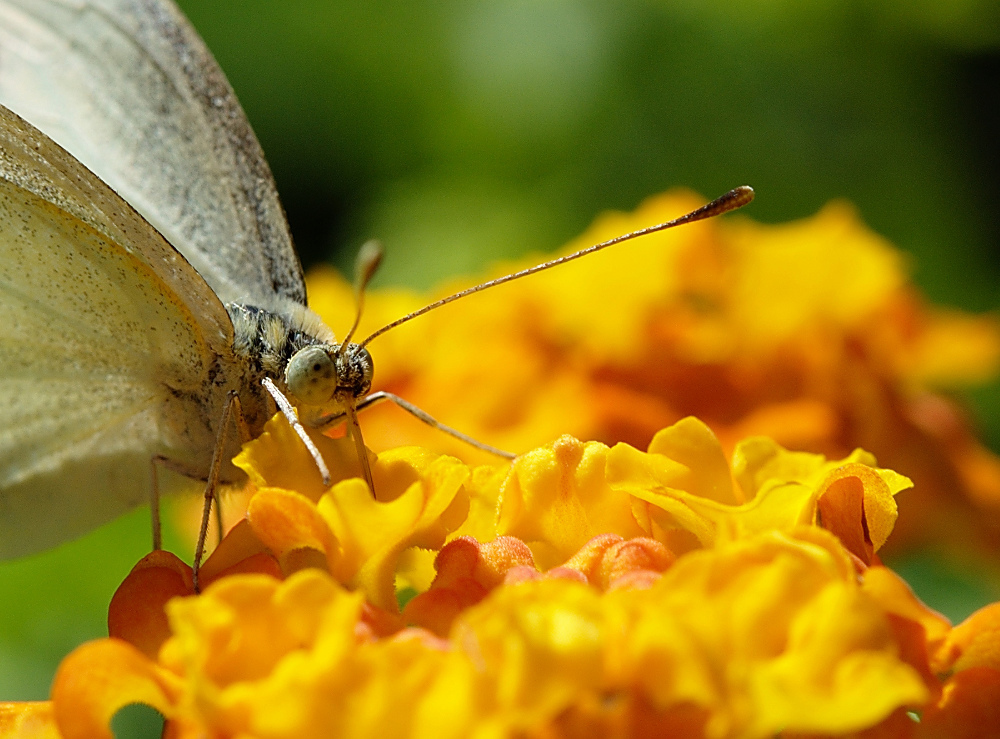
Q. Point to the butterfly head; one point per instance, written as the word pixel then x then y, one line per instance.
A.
pixel 319 373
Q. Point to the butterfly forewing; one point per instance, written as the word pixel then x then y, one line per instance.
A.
pixel 129 88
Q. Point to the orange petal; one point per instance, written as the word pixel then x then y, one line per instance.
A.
pixel 639 558
pixel 136 613
pixel 567 573
pixel 911 639
pixel 466 572
pixel 969 708
pixel 375 623
pixel 857 505
pixel 973 643
pixel 589 558
pixel 517 575
pixel 239 545
pixel 438 608
pixel 635 580
pixel 286 521
pixel 607 559
pixel 261 563
pixel 101 677
pixel 896 597
pixel 498 556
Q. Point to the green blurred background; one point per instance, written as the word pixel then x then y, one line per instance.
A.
pixel 464 132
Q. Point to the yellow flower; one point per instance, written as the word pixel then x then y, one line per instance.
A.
pixel 712 586
pixel 761 635
pixel 809 333
pixel 619 593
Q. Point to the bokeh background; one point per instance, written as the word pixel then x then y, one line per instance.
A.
pixel 462 132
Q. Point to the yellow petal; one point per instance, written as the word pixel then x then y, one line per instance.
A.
pixel 278 458
pixel 557 498
pixel 101 677
pixel 372 534
pixel 705 474
pixel 28 720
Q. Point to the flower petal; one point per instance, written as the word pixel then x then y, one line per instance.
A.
pixel 101 677
pixel 136 613
pixel 973 643
pixel 857 505
pixel 557 498
pixel 969 708
pixel 278 459
pixel 372 534
pixel 287 522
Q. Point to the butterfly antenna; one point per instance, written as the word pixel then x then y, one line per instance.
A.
pixel 735 198
pixel 365 265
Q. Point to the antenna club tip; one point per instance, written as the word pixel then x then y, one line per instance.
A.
pixel 742 195
pixel 732 200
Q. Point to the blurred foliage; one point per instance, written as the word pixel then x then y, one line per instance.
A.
pixel 460 132
pixel 58 599
pixel 464 132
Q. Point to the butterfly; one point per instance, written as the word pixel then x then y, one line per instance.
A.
pixel 152 308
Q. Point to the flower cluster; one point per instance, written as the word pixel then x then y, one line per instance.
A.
pixel 714 586
pixel 808 332
pixel 583 591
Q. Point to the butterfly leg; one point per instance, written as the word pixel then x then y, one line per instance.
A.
pixel 220 530
pixel 288 411
pixel 354 429
pixel 232 409
pixel 382 395
pixel 154 503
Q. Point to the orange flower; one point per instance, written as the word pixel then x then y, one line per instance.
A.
pixel 809 333
pixel 710 587
pixel 618 593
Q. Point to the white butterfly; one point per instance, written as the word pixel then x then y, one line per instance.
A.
pixel 151 304
pixel 118 342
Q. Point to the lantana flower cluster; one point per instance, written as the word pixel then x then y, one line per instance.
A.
pixel 586 590
pixel 725 583
pixel 809 332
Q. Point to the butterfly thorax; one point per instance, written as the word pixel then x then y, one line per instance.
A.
pixel 263 343
pixel 266 340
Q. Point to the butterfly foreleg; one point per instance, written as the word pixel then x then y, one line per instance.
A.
pixel 290 414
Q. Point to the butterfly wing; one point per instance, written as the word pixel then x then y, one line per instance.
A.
pixel 109 343
pixel 131 90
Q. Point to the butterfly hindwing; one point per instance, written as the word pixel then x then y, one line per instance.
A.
pixel 102 326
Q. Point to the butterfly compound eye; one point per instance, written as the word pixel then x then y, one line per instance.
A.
pixel 355 370
pixel 311 375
